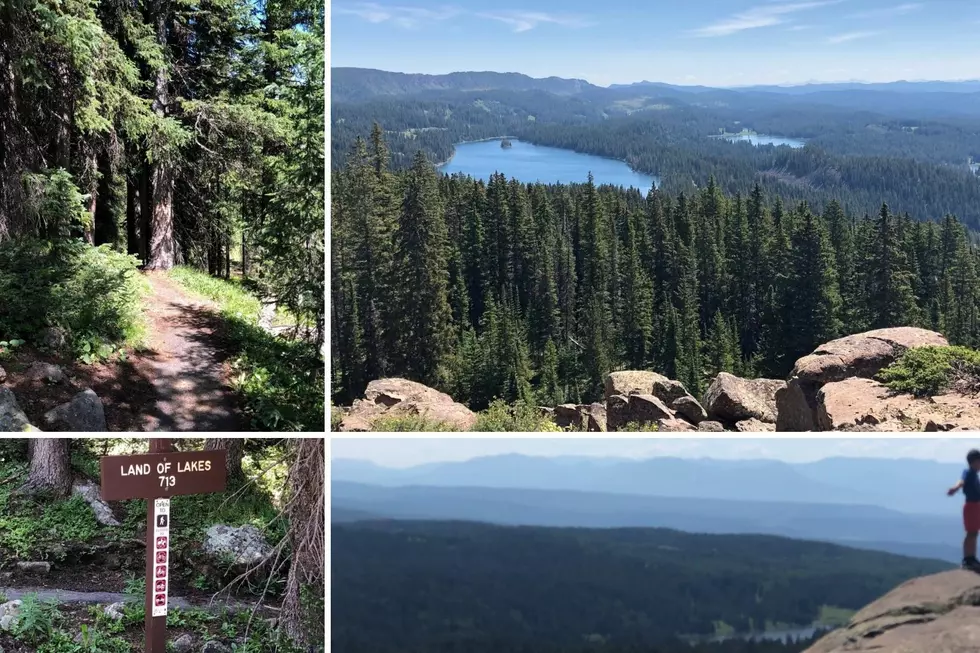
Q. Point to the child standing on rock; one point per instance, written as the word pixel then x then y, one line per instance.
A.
pixel 970 484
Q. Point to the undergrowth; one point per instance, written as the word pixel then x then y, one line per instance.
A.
pixel 932 370
pixel 282 382
pixel 93 293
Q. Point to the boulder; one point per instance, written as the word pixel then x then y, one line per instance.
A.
pixel 567 416
pixel 732 399
pixel 753 425
pixel 115 611
pixel 93 497
pixel 83 413
pixel 3 374
pixel 183 644
pixel 12 417
pixel 594 417
pixel 627 382
pixel 854 401
pixel 690 409
pixel 861 355
pixel 215 646
pixel 53 338
pixel 931 614
pixel 45 372
pixel 710 426
pixel 391 398
pixel 641 408
pixel 674 425
pixel 642 382
pixel 244 546
pixel 39 568
pixel 9 612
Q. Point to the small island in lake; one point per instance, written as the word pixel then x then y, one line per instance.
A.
pixel 505 143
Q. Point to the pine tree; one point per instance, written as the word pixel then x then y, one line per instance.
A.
pixel 424 317
pixel 889 286
pixel 813 302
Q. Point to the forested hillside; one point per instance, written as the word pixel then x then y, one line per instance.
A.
pixel 159 134
pixel 454 585
pixel 863 147
pixel 533 293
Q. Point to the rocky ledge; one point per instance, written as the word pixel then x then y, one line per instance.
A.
pixel 931 614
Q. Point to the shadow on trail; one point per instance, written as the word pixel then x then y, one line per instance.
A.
pixel 189 379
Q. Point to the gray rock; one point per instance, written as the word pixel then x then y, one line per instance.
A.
pixel 34 567
pixel 710 426
pixel 115 610
pixel 83 413
pixel 215 647
pixel 732 399
pixel 93 497
pixel 183 644
pixel 9 612
pixel 53 338
pixel 12 418
pixel 243 545
pixel 690 409
pixel 45 372
pixel 3 375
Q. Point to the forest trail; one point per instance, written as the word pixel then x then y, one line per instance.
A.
pixel 186 365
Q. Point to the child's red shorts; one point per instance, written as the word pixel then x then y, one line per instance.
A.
pixel 971 517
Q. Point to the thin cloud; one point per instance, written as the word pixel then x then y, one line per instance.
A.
pixel 850 36
pixel 888 12
pixel 523 21
pixel 761 16
pixel 407 17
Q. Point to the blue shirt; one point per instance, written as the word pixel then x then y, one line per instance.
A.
pixel 971 486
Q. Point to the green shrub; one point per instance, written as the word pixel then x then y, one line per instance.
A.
pixel 411 423
pixel 520 417
pixel 36 621
pixel 94 293
pixel 639 427
pixel 932 370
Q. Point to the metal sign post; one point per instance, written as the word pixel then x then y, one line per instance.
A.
pixel 156 477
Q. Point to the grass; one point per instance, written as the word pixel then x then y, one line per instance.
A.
pixel 833 616
pixel 282 382
pixel 498 417
pixel 924 371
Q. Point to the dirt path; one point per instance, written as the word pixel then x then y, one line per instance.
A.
pixel 185 364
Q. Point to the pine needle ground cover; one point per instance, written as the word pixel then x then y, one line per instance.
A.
pixel 282 382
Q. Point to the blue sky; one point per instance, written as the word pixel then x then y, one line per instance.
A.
pixel 406 452
pixel 710 42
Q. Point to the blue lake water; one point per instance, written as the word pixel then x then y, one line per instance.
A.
pixel 763 139
pixel 530 163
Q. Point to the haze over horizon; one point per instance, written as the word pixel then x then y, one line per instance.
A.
pixel 410 452
pixel 722 43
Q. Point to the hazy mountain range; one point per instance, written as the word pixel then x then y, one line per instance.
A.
pixel 907 485
pixel 894 505
pixel 925 98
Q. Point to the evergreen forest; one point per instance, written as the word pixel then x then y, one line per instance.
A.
pixel 179 138
pixel 531 293
pixel 454 586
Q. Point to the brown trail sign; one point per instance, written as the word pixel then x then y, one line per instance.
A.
pixel 156 477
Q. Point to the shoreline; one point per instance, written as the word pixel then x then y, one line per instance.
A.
pixel 479 140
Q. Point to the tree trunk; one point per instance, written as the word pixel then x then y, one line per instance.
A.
pixel 50 470
pixel 146 208
pixel 132 242
pixel 235 448
pixel 91 168
pixel 162 218
pixel 302 618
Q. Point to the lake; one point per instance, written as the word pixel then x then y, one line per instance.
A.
pixel 530 163
pixel 763 139
pixel 782 635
